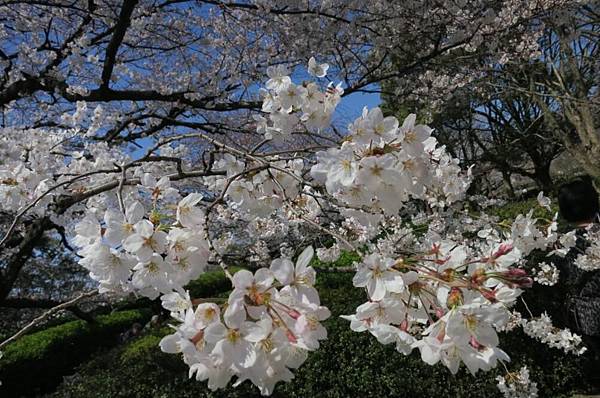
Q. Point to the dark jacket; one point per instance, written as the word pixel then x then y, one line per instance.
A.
pixel 580 290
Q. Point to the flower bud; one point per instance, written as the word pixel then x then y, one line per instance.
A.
pixel 504 248
pixel 516 272
pixel 517 277
pixel 489 295
pixel 439 312
pixel 404 325
pixel 290 336
pixel 294 314
pixel 526 283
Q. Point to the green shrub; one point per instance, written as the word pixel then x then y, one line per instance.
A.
pixel 510 211
pixel 346 259
pixel 37 361
pixel 143 346
pixel 348 364
pixel 211 283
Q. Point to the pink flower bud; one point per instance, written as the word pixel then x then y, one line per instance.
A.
pixel 294 314
pixel 518 277
pixel 516 272
pixel 490 295
pixel 526 283
pixel 404 325
pixel 290 336
pixel 474 343
pixel 504 248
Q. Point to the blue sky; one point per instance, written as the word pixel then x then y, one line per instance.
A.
pixel 351 106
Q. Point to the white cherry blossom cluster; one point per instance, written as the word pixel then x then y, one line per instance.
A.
pixel 589 260
pixel 292 107
pixel 27 166
pixel 330 254
pixel 440 302
pixel 149 251
pixel 265 329
pixel 448 295
pixel 528 237
pixel 50 163
pixel 381 165
pixel 517 385
pixel 541 329
pixel 546 274
pixel 527 234
pixel 438 279
pixel 259 189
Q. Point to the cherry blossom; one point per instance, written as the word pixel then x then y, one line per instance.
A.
pixel 436 278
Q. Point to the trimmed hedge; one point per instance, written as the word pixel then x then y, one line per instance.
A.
pixel 211 283
pixel 346 259
pixel 510 211
pixel 348 364
pixel 36 362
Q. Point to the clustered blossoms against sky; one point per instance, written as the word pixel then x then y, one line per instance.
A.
pixel 437 292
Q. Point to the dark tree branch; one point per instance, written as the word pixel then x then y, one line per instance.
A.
pixel 117 38
pixel 33 233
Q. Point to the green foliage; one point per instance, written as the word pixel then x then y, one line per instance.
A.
pixel 38 360
pixel 140 348
pixel 346 259
pixel 511 210
pixel 211 283
pixel 348 364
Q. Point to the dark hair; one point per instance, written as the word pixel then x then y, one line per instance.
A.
pixel 578 201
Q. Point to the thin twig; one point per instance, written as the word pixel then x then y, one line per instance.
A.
pixel 47 314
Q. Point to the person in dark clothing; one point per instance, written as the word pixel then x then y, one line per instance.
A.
pixel 578 204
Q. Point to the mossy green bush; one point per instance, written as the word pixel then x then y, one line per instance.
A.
pixel 211 283
pixel 510 211
pixel 141 347
pixel 346 259
pixel 348 364
pixel 37 361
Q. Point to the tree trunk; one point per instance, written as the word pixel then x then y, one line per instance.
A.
pixel 542 177
pixel 33 234
pixel 509 186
